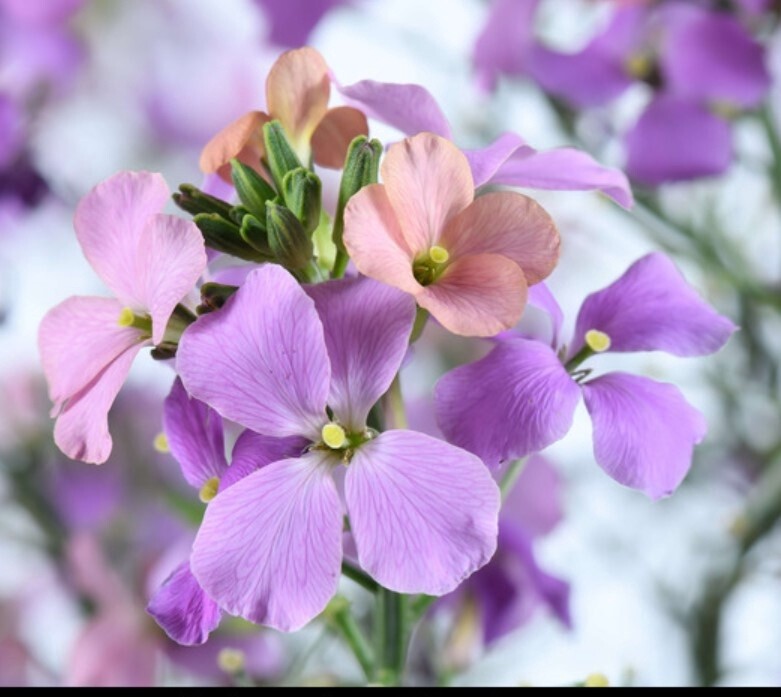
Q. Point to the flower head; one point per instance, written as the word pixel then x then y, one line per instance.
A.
pixel 468 261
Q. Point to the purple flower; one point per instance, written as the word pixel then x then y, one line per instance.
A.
pixel 522 396
pixel 423 513
pixel 292 21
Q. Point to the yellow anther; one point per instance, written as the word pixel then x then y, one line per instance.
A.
pixel 639 65
pixel 597 341
pixel 126 317
pixel 160 443
pixel 596 680
pixel 727 110
pixel 209 489
pixel 334 436
pixel 439 255
pixel 231 661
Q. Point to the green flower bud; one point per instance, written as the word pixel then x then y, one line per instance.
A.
pixel 280 156
pixel 302 190
pixel 290 243
pixel 252 189
pixel 191 199
pixel 224 236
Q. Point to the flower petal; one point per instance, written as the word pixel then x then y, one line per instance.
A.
pixel 171 258
pixel 77 339
pixel 110 222
pixel 375 241
pixel 367 327
pixel 478 295
pixel 541 298
pixel 509 224
pixel 297 91
pixel 423 512
pixel 335 133
pixel 292 21
pixel 253 451
pixel 535 502
pixel 677 139
pixel 428 181
pixel 81 431
pixel 644 431
pixel 270 547
pixel 195 436
pixel 409 108
pixel 261 360
pixel 485 162
pixel 238 139
pixel 183 610
pixel 652 308
pixel 517 400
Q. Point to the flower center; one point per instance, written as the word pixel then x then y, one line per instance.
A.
pixel 597 341
pixel 128 318
pixel 334 436
pixel 428 267
pixel 209 489
pixel 160 443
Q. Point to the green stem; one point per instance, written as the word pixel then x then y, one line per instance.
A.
pixel 344 621
pixel 359 577
pixel 766 116
pixel 396 404
pixel 509 478
pixel 392 636
pixel 340 264
pixel 421 318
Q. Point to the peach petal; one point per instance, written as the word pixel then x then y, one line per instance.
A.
pixel 478 295
pixel 242 138
pixel 335 133
pixel 509 224
pixel 429 181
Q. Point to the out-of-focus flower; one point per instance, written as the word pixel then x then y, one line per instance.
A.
pixel 467 261
pixel 292 21
pixel 522 396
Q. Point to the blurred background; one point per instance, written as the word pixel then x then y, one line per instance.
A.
pixel 684 591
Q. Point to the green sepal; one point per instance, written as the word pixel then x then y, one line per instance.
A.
pixel 253 232
pixel 280 156
pixel 289 242
pixel 302 192
pixel 224 236
pixel 194 201
pixel 214 296
pixel 252 189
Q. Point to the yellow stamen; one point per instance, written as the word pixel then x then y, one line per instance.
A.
pixel 727 110
pixel 439 255
pixel 596 680
pixel 334 436
pixel 638 65
pixel 231 661
pixel 160 443
pixel 597 341
pixel 209 489
pixel 126 317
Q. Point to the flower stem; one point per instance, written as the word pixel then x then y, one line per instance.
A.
pixel 344 621
pixel 396 404
pixel 509 478
pixel 359 577
pixel 392 636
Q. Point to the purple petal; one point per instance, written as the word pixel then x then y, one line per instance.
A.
pixel 195 436
pixel 563 169
pixel 517 400
pixel 292 21
pixel 367 327
pixel 535 502
pixel 270 547
pixel 183 610
pixel 710 56
pixel 423 512
pixel 503 43
pixel 407 107
pixel 652 308
pixel 261 360
pixel 644 431
pixel 253 451
pixel 485 162
pixel 677 139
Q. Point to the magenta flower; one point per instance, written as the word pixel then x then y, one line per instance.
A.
pixel 468 261
pixel 521 398
pixel 423 512
pixel 150 262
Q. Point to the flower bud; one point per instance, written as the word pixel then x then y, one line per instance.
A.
pixel 301 190
pixel 253 232
pixel 194 201
pixel 252 189
pixel 290 243
pixel 225 236
pixel 214 296
pixel 281 158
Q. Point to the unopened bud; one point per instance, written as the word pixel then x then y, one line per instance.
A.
pixel 191 199
pixel 224 236
pixel 214 296
pixel 302 191
pixel 289 242
pixel 280 155
pixel 253 232
pixel 252 189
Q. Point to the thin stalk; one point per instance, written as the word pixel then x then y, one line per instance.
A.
pixel 344 621
pixel 514 470
pixel 359 577
pixel 391 636
pixel 396 404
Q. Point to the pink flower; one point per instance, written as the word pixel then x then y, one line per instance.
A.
pixel 87 344
pixel 467 261
pixel 297 92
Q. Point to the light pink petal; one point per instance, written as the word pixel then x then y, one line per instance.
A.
pixel 270 547
pixel 510 224
pixel 81 431
pixel 423 512
pixel 243 136
pixel 375 241
pixel 110 222
pixel 478 295
pixel 171 258
pixel 297 91
pixel 261 360
pixel 77 339
pixel 335 133
pixel 428 181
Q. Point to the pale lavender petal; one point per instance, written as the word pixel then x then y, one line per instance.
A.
pixel 517 400
pixel 677 139
pixel 644 431
pixel 292 21
pixel 409 108
pixel 254 450
pixel 270 547
pixel 503 43
pixel 652 308
pixel 535 502
pixel 195 436
pixel 81 431
pixel 423 512
pixel 12 131
pixel 261 360
pixel 541 297
pixel 110 221
pixel 485 162
pixel 710 56
pixel 563 169
pixel 367 327
pixel 183 610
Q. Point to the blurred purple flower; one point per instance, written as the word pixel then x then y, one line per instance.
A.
pixel 292 21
